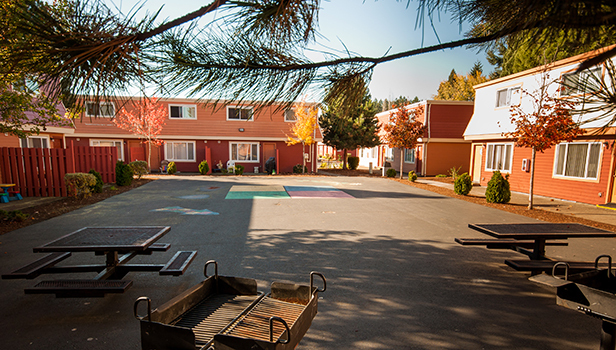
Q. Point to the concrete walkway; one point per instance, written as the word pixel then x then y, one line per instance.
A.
pixel 587 211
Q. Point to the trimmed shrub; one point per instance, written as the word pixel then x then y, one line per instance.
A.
pixel 124 174
pixel 391 172
pixel 463 184
pixel 297 169
pixel 412 176
pixel 79 184
pixel 139 168
pixel 204 167
pixel 98 187
pixel 172 168
pixel 353 162
pixel 498 189
pixel 13 215
pixel 239 169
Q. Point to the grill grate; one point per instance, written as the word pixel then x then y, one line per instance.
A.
pixel 212 315
pixel 256 323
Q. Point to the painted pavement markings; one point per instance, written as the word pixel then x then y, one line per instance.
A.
pixel 253 192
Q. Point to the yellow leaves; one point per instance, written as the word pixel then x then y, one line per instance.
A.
pixel 304 126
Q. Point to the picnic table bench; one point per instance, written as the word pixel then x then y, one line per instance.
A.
pixel 118 244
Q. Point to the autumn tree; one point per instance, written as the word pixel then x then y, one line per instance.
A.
pixel 304 128
pixel 542 124
pixel 350 127
pixel 145 119
pixel 404 130
pixel 460 87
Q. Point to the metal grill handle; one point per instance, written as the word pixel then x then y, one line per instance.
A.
pixel 271 324
pixel 312 281
pixel 209 262
pixel 609 264
pixel 140 299
pixel 561 263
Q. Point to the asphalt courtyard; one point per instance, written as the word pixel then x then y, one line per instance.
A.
pixel 395 277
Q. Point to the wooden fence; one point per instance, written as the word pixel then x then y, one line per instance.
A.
pixel 39 172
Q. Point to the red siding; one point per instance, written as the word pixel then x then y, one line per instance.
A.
pixel 449 121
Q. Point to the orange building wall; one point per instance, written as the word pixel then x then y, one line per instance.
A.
pixel 441 157
pixel 584 191
pixel 9 141
pixel 449 121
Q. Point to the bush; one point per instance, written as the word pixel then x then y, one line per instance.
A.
pixel 412 176
pixel 98 187
pixel 391 172
pixel 239 169
pixel 463 184
pixel 353 162
pixel 13 215
pixel 204 167
pixel 297 169
pixel 172 168
pixel 498 189
pixel 79 184
pixel 139 168
pixel 124 174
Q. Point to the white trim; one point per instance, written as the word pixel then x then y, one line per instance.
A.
pixel 241 107
pixel 285 115
pixel 483 137
pixel 190 137
pixel 245 143
pixel 52 129
pixel 194 159
pixel 496 158
pixel 121 151
pixel 184 107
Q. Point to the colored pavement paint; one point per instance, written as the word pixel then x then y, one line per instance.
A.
pixel 186 211
pixel 241 188
pixel 256 194
pixel 319 194
pixel 309 188
pixel 195 196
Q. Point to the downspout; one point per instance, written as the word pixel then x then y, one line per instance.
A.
pixel 425 148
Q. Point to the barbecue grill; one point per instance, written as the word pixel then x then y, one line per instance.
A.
pixel 224 313
pixel 591 292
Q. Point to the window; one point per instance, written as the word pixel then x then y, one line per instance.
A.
pixel 579 160
pixel 109 143
pixel 100 109
pixel 389 153
pixel 248 152
pixel 183 151
pixel 240 113
pixel 580 83
pixel 507 97
pixel 499 157
pixel 289 115
pixel 409 155
pixel 35 142
pixel 182 112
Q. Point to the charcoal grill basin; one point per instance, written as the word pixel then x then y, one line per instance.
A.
pixel 224 313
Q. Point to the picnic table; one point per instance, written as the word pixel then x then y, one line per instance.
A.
pixel 8 193
pixel 118 244
pixel 531 239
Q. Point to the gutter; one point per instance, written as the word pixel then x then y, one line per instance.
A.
pixel 425 148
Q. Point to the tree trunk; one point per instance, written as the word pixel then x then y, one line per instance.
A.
pixel 149 156
pixel 532 179
pixel 303 157
pixel 344 158
pixel 401 161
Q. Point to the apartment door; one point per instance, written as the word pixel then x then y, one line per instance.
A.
pixel 477 161
pixel 269 150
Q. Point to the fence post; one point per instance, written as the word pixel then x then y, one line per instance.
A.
pixel 70 159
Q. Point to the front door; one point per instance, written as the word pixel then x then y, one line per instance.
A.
pixel 269 150
pixel 477 158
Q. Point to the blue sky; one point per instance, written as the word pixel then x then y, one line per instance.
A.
pixel 372 28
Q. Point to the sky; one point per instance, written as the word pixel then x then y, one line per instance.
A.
pixel 372 28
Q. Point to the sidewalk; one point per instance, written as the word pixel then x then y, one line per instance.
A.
pixel 586 211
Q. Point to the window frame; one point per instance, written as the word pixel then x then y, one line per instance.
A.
pixel 494 159
pixel 188 160
pixel 100 105
pixel 183 110
pixel 508 101
pixel 586 177
pixel 407 152
pixel 294 116
pixel 584 75
pixel 231 155
pixel 120 151
pixel 249 108
pixel 28 138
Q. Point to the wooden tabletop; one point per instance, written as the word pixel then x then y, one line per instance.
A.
pixel 541 230
pixel 103 239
